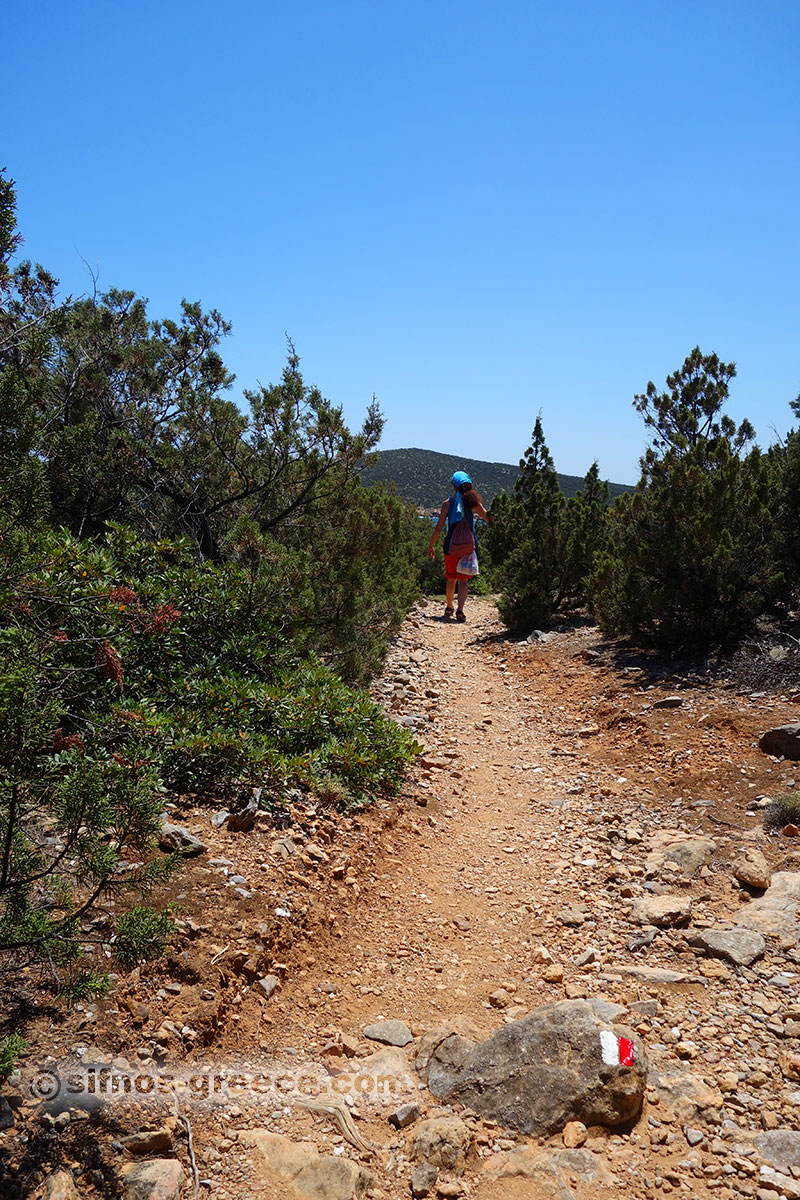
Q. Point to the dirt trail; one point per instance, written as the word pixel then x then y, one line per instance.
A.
pixel 502 881
pixel 468 852
pixel 507 883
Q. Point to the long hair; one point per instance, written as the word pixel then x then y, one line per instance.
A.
pixel 471 498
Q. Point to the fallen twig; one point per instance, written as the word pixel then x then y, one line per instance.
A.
pixel 342 1118
pixel 195 1173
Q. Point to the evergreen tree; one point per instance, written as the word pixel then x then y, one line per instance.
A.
pixel 689 559
pixel 784 469
pixel 544 545
pixel 583 535
pixel 525 540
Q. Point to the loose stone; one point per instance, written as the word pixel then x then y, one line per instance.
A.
pixel 390 1033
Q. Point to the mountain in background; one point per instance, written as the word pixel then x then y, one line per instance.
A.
pixel 422 477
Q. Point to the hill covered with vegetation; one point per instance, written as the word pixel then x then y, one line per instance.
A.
pixel 422 476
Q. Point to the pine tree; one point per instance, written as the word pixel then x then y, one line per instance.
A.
pixel 689 559
pixel 783 461
pixel 526 539
pixel 583 535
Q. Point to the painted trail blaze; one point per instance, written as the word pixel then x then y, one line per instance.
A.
pixel 616 1051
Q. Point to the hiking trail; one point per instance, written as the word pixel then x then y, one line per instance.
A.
pixel 562 784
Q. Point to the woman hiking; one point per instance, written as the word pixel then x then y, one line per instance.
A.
pixel 463 506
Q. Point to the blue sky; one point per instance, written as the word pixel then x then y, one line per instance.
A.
pixel 476 212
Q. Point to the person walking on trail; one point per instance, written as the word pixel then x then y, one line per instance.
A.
pixel 458 514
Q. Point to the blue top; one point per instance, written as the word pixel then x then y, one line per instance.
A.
pixel 455 512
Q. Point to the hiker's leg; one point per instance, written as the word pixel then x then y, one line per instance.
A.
pixel 463 585
pixel 449 591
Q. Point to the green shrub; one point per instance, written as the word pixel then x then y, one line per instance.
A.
pixel 359 568
pixel 524 539
pixel 783 464
pixel 78 984
pixel 142 935
pixel 74 801
pixel 11 1048
pixel 127 670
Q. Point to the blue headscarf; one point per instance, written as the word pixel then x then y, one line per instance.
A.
pixel 457 509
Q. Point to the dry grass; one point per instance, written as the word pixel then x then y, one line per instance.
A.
pixel 767 664
pixel 783 810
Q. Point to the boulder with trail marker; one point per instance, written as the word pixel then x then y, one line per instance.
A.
pixel 560 1063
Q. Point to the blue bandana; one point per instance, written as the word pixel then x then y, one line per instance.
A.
pixel 457 510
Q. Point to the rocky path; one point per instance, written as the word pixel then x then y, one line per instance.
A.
pixel 579 827
pixel 550 850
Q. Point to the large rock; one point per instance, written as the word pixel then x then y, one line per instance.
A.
pixel 156 1179
pixel 606 1010
pixel 405 1114
pixel 780 1148
pixel 441 1141
pixel 548 1068
pixel 752 869
pixel 661 910
pixel 673 846
pixel 244 818
pixel 783 741
pixel 175 837
pixel 738 946
pixel 268 984
pixel 459 1025
pixel 283 1156
pixel 329 1178
pixel 789 1063
pixel 423 1179
pixel 312 1175
pixel 777 912
pixel 776 1182
pixel 574 1134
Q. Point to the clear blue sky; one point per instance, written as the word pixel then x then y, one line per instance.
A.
pixel 476 211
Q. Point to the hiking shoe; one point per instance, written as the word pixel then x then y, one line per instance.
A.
pixel 448 612
pixel 460 615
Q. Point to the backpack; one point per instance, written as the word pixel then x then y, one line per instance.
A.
pixel 462 538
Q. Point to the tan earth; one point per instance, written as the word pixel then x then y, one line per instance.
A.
pixel 555 799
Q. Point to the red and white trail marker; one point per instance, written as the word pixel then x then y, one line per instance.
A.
pixel 616 1051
